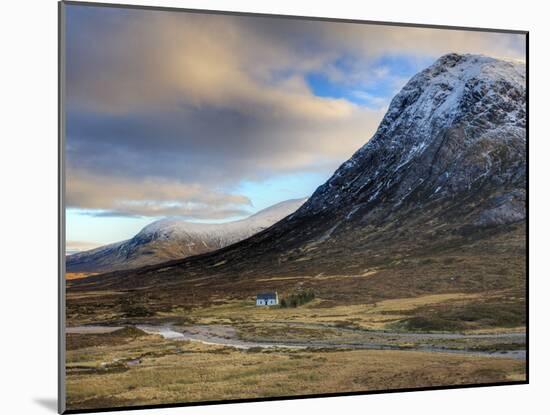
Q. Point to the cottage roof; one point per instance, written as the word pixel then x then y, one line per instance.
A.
pixel 266 296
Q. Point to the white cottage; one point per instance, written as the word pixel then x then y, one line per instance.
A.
pixel 267 299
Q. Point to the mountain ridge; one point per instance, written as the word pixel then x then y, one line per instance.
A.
pixel 173 238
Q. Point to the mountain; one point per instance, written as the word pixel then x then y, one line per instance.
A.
pixel 173 238
pixel 456 130
pixel 434 202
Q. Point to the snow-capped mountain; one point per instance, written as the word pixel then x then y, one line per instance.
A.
pixel 455 127
pixel 173 238
pixel 444 172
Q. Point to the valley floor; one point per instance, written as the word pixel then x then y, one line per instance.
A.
pixel 234 350
pixel 454 317
pixel 129 367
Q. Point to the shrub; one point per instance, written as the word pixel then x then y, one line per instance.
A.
pixel 297 299
pixel 136 311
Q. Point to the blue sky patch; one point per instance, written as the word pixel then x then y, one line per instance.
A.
pixel 371 86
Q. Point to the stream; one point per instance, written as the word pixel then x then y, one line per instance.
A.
pixel 227 336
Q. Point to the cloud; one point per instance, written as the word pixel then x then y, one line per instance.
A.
pixel 76 246
pixel 168 112
pixel 108 196
pixel 121 60
pixel 210 145
pixel 372 100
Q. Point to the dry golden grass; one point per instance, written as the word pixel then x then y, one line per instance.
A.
pixel 188 372
pixel 368 316
pixel 78 275
pixel 498 330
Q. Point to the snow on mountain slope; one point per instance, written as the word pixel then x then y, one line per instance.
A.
pixel 457 125
pixel 222 234
pixel 173 238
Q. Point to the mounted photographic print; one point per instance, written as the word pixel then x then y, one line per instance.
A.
pixel 258 207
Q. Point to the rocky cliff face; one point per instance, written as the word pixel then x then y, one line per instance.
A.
pixel 455 130
pixel 446 168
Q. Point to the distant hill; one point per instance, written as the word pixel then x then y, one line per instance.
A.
pixel 173 238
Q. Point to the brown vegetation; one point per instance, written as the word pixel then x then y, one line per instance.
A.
pixel 150 370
